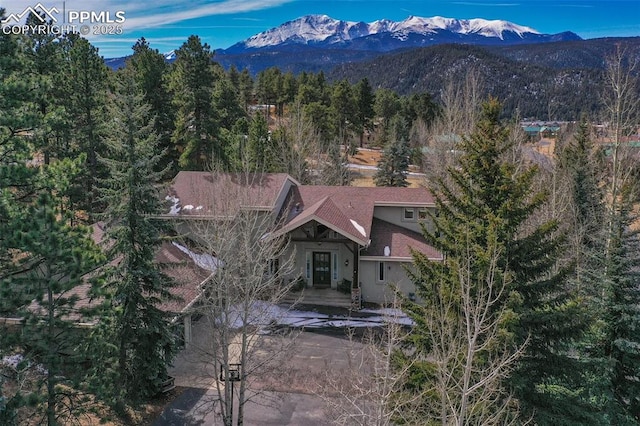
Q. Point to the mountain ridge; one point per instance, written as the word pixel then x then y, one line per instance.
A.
pixel 324 31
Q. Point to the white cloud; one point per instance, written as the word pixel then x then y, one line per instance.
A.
pixel 153 14
pixel 165 12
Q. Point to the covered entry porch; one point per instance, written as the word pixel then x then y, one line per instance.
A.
pixel 326 259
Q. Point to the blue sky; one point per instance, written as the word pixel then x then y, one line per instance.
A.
pixel 168 23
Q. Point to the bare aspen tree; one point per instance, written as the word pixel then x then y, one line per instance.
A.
pixel 299 142
pixel 470 352
pixel 239 298
pixel 370 393
pixel 622 108
pixel 460 111
pixel 461 102
pixel 488 358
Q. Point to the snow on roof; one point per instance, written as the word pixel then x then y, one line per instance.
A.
pixel 175 207
pixel 203 260
pixel 359 227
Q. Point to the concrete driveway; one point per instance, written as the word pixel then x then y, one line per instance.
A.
pixel 288 393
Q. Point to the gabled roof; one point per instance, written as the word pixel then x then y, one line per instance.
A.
pixel 347 210
pixel 351 207
pixel 326 212
pixel 222 194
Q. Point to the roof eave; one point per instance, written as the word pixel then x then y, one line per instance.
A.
pixel 286 229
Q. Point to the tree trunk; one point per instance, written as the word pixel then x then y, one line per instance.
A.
pixel 51 373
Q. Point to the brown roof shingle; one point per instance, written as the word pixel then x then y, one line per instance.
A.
pixel 176 264
pixel 399 240
pixel 222 194
pixel 354 203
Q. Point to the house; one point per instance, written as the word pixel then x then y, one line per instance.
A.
pixel 537 130
pixel 188 271
pixel 357 235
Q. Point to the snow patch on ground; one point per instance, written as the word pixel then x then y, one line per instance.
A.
pixel 264 314
pixel 366 167
pixel 13 361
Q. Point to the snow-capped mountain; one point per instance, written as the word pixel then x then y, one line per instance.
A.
pixel 385 35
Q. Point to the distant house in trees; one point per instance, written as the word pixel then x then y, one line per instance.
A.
pixel 537 130
pixel 341 235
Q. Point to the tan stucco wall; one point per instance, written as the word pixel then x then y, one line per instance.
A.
pixel 374 291
pixel 395 215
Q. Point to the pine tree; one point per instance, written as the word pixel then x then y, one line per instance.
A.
pixel 261 150
pixel 84 90
pixel 579 166
pixel 44 56
pixel 622 313
pixel 343 109
pixel 14 185
pixel 364 105
pixel 579 162
pixel 133 342
pixel 421 106
pixel 191 82
pixel 226 104
pixel 55 256
pixel 386 105
pixel 393 166
pixel 151 72
pixel 491 203
pixel 245 88
pixel 15 119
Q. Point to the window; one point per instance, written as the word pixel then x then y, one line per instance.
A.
pixel 409 214
pixel 422 214
pixel 308 266
pixel 381 271
pixel 334 266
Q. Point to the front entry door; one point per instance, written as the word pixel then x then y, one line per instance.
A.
pixel 321 269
